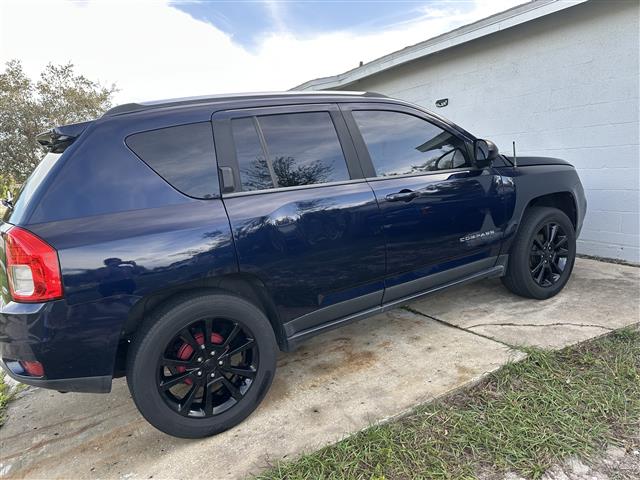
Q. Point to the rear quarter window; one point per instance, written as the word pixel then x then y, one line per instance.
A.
pixel 183 156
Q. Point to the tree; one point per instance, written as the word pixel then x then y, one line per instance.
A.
pixel 287 173
pixel 59 97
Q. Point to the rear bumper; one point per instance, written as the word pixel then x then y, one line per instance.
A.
pixel 76 353
pixel 100 384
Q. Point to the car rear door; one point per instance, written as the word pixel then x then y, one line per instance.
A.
pixel 305 222
pixel 443 217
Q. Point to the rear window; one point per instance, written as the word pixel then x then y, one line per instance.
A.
pixel 184 156
pixel 297 149
pixel 26 193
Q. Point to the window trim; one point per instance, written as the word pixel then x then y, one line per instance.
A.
pixel 223 138
pixel 297 187
pixel 363 150
pixel 265 151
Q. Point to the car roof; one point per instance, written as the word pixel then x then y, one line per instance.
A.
pixel 332 95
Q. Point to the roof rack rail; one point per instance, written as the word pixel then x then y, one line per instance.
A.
pixel 124 108
pixel 142 106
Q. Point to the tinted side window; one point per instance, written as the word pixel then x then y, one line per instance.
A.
pixel 298 149
pixel 184 156
pixel 401 144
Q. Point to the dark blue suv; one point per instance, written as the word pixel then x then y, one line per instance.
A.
pixel 182 243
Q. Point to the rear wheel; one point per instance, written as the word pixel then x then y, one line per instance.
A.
pixel 201 364
pixel 543 254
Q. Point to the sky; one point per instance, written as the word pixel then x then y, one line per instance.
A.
pixel 155 49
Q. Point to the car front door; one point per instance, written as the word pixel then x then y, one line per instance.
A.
pixel 443 217
pixel 305 222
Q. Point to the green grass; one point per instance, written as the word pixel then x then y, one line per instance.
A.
pixel 6 395
pixel 523 418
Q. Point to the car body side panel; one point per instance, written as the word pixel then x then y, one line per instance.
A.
pixel 312 247
pixel 139 252
pixel 458 219
pixel 109 264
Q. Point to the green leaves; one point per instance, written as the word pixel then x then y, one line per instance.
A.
pixel 59 97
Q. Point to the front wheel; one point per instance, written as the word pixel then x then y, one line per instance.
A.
pixel 543 254
pixel 201 364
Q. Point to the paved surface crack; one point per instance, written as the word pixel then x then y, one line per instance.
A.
pixel 557 324
pixel 514 347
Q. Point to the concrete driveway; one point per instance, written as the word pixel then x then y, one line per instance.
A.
pixel 335 385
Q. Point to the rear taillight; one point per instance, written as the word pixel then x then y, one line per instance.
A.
pixel 32 267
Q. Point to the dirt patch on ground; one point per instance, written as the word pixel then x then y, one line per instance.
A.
pixel 617 463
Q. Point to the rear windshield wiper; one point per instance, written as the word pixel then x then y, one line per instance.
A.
pixel 58 139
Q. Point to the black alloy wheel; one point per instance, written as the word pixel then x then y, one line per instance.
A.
pixel 207 368
pixel 543 253
pixel 201 363
pixel 548 255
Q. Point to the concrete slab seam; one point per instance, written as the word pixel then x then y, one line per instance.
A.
pixel 416 312
pixel 557 324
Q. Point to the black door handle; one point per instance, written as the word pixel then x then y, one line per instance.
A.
pixel 404 195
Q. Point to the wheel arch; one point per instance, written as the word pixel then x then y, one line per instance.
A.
pixel 563 201
pixel 246 286
pixel 521 274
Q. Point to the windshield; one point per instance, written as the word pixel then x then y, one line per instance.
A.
pixel 25 194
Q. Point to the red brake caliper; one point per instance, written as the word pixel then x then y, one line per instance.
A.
pixel 185 351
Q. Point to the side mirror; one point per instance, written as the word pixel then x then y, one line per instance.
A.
pixel 485 152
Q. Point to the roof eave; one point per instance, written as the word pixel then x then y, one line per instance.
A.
pixel 487 26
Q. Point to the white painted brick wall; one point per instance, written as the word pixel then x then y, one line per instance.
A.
pixel 566 85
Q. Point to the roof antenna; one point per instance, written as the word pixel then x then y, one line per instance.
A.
pixel 515 158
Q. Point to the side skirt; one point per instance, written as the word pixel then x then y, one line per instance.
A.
pixel 295 340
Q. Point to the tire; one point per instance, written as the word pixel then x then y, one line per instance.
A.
pixel 163 353
pixel 522 277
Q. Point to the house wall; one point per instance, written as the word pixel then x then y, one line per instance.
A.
pixel 565 85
